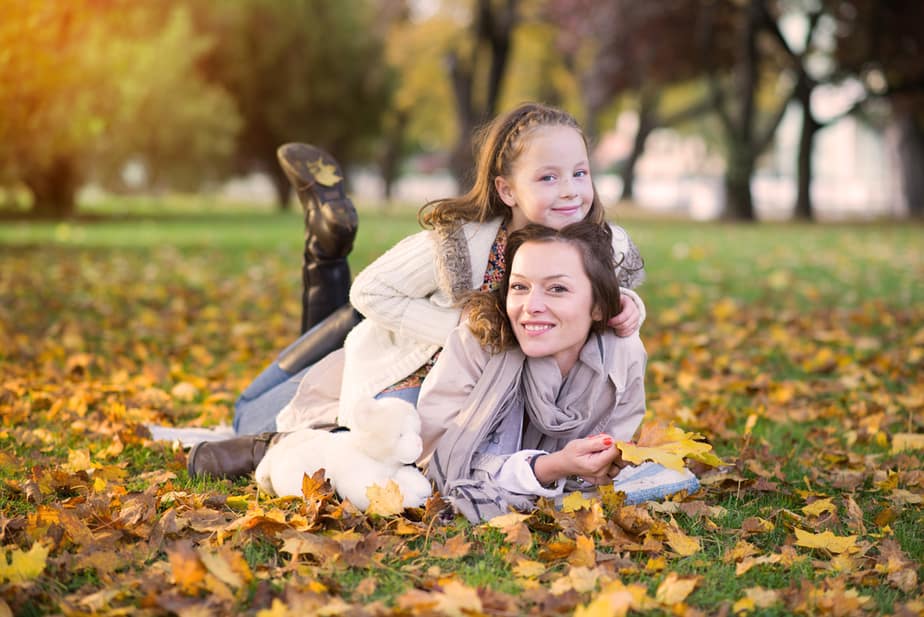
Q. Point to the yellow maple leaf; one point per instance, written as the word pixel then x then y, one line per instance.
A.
pixel 675 589
pixel 386 501
pixel 505 521
pixel 667 446
pixel 277 609
pixel 819 507
pixel 23 566
pixel 681 543
pixel 825 540
pixel 526 568
pixel 324 173
pixel 574 502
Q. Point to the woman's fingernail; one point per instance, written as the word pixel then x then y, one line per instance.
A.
pixel 607 442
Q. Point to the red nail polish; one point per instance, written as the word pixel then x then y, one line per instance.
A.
pixel 607 442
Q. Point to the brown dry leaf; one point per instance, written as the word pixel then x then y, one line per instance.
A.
pixel 668 445
pixel 226 565
pixel 454 548
pixel 674 589
pixel 825 540
pixel 386 501
pixel 900 570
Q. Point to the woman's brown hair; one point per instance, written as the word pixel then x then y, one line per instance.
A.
pixel 487 311
pixel 501 142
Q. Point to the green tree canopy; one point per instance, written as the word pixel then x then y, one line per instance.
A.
pixel 88 85
pixel 304 70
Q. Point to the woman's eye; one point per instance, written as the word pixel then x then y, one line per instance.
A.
pixel 558 289
pixel 517 287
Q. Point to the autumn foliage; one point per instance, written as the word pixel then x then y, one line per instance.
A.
pixel 801 369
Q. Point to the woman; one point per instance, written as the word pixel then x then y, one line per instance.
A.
pixel 534 389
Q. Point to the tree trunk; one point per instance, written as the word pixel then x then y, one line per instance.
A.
pixel 646 124
pixel 739 203
pixel 281 186
pixel 803 210
pixel 54 189
pixel 390 161
pixel 911 160
pixel 493 27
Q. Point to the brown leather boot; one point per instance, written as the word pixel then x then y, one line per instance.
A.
pixel 330 228
pixel 228 458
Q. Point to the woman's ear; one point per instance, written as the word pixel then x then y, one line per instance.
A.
pixel 505 191
pixel 597 313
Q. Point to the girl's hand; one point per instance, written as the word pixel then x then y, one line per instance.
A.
pixel 591 458
pixel 628 319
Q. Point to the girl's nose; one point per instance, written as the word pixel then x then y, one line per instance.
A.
pixel 567 187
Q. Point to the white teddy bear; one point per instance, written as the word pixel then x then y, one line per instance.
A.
pixel 382 445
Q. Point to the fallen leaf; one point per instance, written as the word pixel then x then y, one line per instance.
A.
pixel 526 568
pixel 574 502
pixel 386 501
pixel 819 507
pixel 674 589
pixel 825 540
pixel 458 600
pixel 907 441
pixel 680 542
pixel 668 446
pixel 454 548
pixel 22 566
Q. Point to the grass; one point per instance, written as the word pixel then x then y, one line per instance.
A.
pixel 815 332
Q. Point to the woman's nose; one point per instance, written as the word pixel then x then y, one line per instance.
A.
pixel 535 302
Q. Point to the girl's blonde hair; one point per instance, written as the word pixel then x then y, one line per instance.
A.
pixel 487 311
pixel 501 142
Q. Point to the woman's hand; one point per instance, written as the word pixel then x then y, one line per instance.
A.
pixel 628 319
pixel 592 458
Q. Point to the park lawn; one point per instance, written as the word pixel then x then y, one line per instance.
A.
pixel 795 350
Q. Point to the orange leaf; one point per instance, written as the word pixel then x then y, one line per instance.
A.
pixel 386 501
pixel 667 446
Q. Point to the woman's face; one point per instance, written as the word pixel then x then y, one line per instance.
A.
pixel 550 301
pixel 550 183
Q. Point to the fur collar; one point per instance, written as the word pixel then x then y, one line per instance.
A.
pixel 453 262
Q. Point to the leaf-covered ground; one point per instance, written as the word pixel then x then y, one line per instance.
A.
pixel 797 351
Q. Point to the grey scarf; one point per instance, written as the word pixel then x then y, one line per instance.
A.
pixel 557 410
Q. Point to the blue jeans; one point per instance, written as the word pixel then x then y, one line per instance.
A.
pixel 256 409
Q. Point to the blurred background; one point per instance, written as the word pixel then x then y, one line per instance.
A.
pixel 733 109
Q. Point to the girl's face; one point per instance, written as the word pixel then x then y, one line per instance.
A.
pixel 550 301
pixel 550 183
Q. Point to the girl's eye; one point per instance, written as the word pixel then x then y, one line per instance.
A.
pixel 580 173
pixel 547 178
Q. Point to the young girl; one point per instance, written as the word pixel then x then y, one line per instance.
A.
pixel 533 167
pixel 534 388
